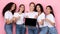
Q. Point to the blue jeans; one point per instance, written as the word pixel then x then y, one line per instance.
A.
pixel 20 29
pixel 32 30
pixel 52 30
pixel 43 30
pixel 8 28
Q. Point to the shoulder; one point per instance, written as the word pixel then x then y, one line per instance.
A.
pixel 50 15
pixel 36 13
pixel 16 14
pixel 42 14
pixel 7 12
pixel 23 14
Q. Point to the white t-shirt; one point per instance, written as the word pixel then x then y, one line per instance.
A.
pixel 51 18
pixel 40 17
pixel 20 21
pixel 31 14
pixel 8 15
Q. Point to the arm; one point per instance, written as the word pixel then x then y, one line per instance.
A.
pixel 41 22
pixel 36 16
pixel 8 21
pixel 52 23
pixel 15 19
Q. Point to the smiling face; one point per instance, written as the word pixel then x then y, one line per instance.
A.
pixel 38 8
pixel 13 7
pixel 21 8
pixel 32 7
pixel 48 10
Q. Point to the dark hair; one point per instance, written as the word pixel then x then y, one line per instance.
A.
pixel 32 3
pixel 8 7
pixel 40 7
pixel 51 10
pixel 20 6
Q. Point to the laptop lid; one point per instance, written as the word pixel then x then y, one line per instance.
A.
pixel 30 21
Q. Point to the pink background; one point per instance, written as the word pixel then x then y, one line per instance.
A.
pixel 54 3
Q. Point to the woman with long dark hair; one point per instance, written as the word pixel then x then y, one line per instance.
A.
pixel 8 12
pixel 19 19
pixel 50 20
pixel 41 16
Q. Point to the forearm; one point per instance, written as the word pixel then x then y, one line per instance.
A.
pixel 7 21
pixel 41 22
pixel 53 24
pixel 14 19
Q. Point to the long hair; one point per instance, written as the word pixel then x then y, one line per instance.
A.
pixel 20 6
pixel 8 7
pixel 51 10
pixel 40 6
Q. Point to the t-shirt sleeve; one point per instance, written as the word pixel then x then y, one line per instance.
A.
pixel 36 13
pixel 42 16
pixel 15 15
pixel 51 17
pixel 6 16
pixel 25 14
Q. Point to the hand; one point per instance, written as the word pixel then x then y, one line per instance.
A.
pixel 47 20
pixel 14 19
pixel 42 20
pixel 27 17
pixel 36 16
pixel 8 21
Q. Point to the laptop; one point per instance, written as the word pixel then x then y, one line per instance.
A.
pixel 30 21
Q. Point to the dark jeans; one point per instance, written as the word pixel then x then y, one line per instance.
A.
pixel 20 29
pixel 32 30
pixel 8 28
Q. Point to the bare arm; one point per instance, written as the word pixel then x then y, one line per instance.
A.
pixel 8 21
pixel 41 22
pixel 15 19
pixel 50 22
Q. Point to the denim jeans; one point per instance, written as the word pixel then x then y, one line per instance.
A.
pixel 8 28
pixel 20 29
pixel 43 30
pixel 32 30
pixel 52 30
